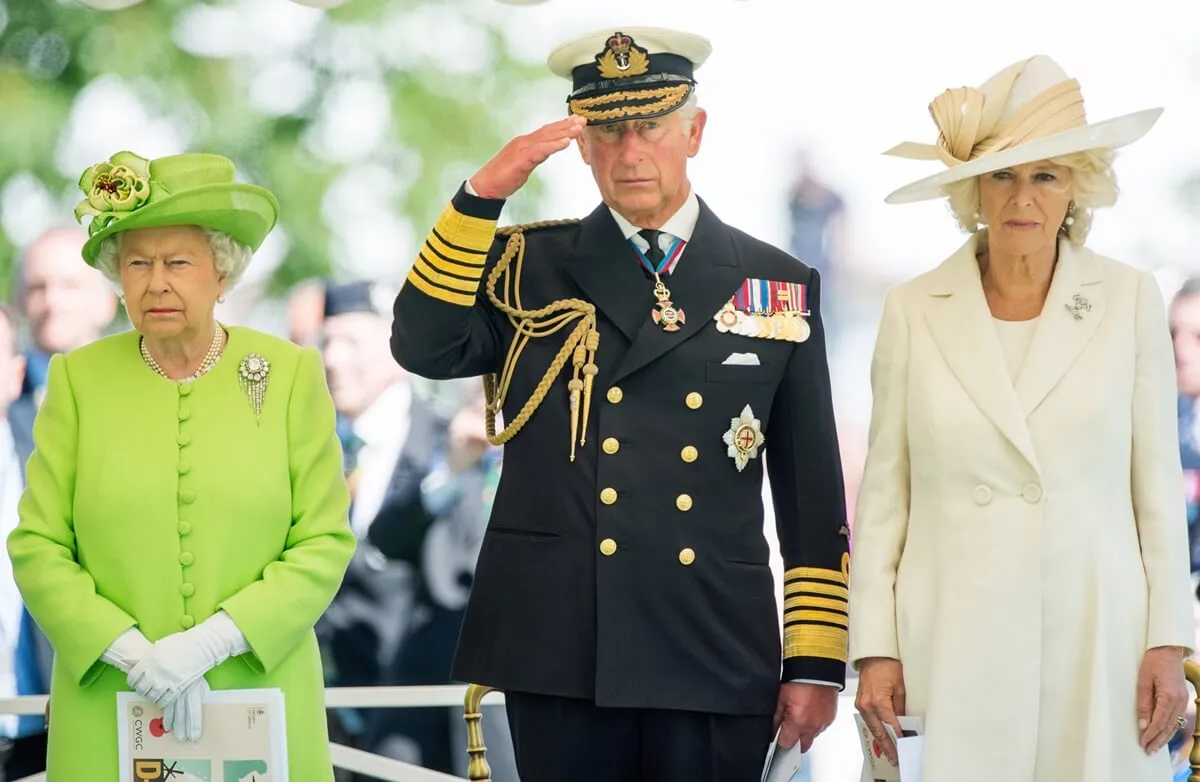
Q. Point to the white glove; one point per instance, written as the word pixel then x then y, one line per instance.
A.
pixel 182 716
pixel 177 661
pixel 129 648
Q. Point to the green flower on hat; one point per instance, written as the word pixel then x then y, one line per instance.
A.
pixel 113 190
pixel 129 192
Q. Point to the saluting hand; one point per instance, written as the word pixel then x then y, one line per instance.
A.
pixel 511 168
pixel 803 712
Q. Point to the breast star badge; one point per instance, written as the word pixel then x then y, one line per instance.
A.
pixel 744 438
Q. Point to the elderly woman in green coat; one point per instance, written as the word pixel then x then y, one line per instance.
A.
pixel 185 518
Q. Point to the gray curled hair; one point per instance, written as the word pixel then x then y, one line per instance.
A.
pixel 1093 185
pixel 230 257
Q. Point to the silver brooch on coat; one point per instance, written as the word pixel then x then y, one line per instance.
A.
pixel 1079 305
pixel 252 376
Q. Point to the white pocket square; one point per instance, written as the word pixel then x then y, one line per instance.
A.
pixel 744 359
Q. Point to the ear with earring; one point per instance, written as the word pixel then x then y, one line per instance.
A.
pixel 1070 218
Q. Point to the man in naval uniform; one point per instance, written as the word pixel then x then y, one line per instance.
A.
pixel 650 364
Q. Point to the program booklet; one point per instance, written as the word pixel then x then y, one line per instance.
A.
pixel 244 739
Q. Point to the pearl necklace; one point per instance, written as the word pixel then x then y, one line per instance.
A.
pixel 210 358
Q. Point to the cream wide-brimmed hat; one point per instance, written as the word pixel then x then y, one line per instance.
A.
pixel 1027 112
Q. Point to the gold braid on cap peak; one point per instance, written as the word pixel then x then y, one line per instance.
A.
pixel 580 346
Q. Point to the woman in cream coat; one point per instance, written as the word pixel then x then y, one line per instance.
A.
pixel 1020 572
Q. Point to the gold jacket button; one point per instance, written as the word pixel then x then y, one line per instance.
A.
pixel 694 400
pixel 608 496
pixel 608 547
pixel 683 502
pixel 615 394
pixel 610 445
pixel 689 454
pixel 687 557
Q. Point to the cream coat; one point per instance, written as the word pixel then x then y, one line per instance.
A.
pixel 1019 546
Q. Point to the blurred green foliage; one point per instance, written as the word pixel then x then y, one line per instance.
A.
pixel 443 121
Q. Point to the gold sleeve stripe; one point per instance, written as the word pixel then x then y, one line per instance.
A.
pixel 431 273
pixel 815 574
pixel 470 258
pixel 804 616
pixel 816 588
pixel 473 271
pixel 466 234
pixel 438 292
pixel 816 641
pixel 808 601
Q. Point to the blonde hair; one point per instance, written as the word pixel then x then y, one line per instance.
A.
pixel 230 257
pixel 1093 185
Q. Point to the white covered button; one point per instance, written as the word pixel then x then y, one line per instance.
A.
pixel 983 495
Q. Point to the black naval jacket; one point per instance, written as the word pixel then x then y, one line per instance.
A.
pixel 637 575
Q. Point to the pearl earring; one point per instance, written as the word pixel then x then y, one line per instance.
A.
pixel 220 298
pixel 1070 214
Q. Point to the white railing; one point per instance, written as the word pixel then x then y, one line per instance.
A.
pixel 347 758
pixel 835 756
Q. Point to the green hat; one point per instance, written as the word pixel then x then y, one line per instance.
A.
pixel 129 191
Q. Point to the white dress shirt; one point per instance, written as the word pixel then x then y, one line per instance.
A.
pixel 383 428
pixel 680 225
pixel 11 486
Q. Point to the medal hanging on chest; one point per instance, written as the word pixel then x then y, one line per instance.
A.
pixel 665 313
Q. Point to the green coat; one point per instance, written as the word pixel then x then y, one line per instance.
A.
pixel 156 504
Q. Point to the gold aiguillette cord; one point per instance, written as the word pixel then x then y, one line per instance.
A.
pixel 580 346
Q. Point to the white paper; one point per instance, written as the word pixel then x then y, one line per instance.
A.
pixel 910 752
pixel 782 764
pixel 909 748
pixel 244 739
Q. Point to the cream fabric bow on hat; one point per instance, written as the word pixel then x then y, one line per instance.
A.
pixel 1030 111
pixel 977 122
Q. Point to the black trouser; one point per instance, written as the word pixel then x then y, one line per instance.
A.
pixel 23 757
pixel 560 739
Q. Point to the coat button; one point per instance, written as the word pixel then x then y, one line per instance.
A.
pixel 187 590
pixel 184 414
pixel 187 496
pixel 694 400
pixel 687 557
pixel 610 445
pixel 183 468
pixel 1032 493
pixel 608 496
pixel 186 558
pixel 615 394
pixel 689 454
pixel 608 547
pixel 184 438
pixel 184 388
pixel 983 495
pixel 683 502
pixel 186 622
pixel 183 528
